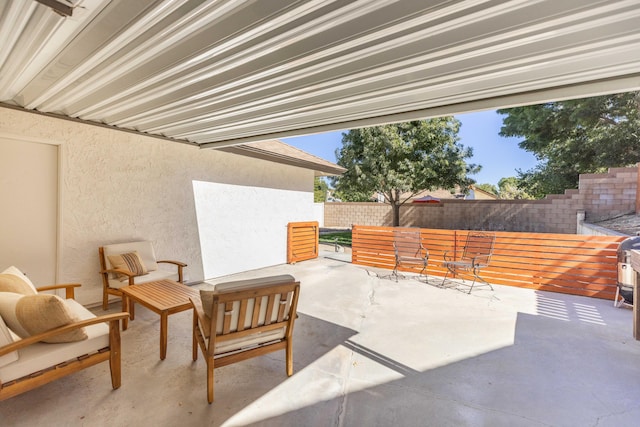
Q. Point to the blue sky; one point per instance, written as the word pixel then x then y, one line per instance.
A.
pixel 499 157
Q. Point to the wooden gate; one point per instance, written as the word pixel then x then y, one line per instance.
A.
pixel 302 241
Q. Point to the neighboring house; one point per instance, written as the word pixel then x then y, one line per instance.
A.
pixel 474 193
pixel 69 187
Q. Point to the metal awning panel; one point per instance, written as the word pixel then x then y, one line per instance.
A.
pixel 223 72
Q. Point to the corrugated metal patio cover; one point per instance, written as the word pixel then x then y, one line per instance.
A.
pixel 224 72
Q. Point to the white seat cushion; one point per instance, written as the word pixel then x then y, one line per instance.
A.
pixel 6 338
pixel 14 280
pixel 42 355
pixel 144 249
pixel 149 277
pixel 248 342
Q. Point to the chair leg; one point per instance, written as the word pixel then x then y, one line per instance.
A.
pixel 105 300
pixel 472 283
pixel 446 274
pixel 476 276
pixel 114 354
pixel 616 300
pixel 289 358
pixel 194 337
pixel 210 379
pixel 426 276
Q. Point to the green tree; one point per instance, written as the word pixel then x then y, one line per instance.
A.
pixel 489 188
pixel 320 188
pixel 508 189
pixel 400 160
pixel 573 137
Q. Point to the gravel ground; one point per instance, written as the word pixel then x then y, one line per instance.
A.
pixel 627 224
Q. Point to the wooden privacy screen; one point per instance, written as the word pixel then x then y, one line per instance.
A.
pixel 302 241
pixel 567 263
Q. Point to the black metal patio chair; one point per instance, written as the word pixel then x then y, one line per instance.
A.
pixel 471 258
pixel 409 250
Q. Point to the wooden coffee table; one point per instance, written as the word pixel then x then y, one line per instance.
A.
pixel 164 297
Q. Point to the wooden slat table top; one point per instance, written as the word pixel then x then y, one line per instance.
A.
pixel 162 295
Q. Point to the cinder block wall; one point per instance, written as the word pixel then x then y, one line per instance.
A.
pixel 347 214
pixel 601 196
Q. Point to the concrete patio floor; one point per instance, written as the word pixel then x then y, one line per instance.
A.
pixel 372 352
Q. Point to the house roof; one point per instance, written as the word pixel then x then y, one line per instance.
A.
pixel 482 194
pixel 213 73
pixel 279 152
pixel 445 194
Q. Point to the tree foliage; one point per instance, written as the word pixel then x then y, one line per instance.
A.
pixel 573 137
pixel 400 160
pixel 320 188
pixel 508 189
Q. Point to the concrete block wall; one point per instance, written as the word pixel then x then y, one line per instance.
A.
pixel 601 196
pixel 608 195
pixel 347 214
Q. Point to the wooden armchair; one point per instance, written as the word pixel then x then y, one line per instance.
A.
pixel 244 319
pixel 80 341
pixel 114 278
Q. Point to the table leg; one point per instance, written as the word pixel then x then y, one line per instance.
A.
pixel 163 334
pixel 125 307
pixel 132 309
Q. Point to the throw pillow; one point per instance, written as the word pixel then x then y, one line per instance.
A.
pixel 129 261
pixel 14 280
pixel 29 315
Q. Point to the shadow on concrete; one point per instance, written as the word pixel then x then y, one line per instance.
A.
pixel 549 376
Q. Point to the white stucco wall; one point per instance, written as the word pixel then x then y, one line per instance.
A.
pixel 318 213
pixel 241 227
pixel 118 186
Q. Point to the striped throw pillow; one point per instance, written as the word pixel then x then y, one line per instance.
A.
pixel 129 261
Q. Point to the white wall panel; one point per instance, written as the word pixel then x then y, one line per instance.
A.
pixel 245 227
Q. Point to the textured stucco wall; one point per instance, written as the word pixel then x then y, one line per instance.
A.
pixel 118 186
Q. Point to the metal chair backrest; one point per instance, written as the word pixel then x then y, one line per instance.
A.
pixel 407 243
pixel 478 248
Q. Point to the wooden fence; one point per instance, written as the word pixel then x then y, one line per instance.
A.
pixel 566 263
pixel 302 241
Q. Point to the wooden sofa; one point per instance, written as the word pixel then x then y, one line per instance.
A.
pixel 28 362
pixel 113 279
pixel 243 319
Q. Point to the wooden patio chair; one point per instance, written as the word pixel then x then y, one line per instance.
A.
pixel 471 258
pixel 244 319
pixel 408 249
pixel 135 263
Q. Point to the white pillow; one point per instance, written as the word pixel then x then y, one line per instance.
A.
pixel 29 315
pixel 14 280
